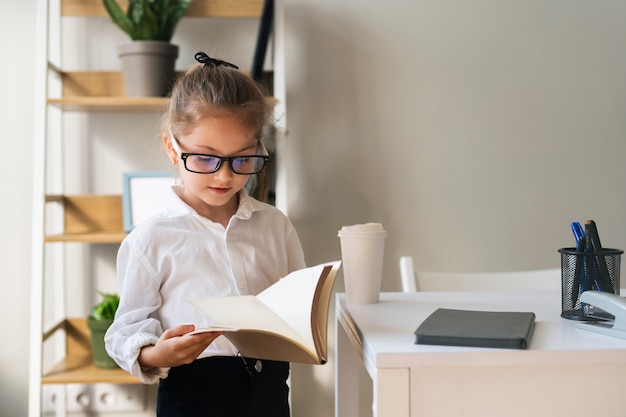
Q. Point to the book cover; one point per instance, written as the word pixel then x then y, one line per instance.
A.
pixel 288 321
pixel 493 329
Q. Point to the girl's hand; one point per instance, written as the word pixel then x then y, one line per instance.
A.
pixel 175 347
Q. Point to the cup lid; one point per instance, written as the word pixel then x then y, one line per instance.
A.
pixel 366 228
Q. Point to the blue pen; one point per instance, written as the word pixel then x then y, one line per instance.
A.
pixel 579 285
pixel 579 232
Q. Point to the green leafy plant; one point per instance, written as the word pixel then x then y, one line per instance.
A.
pixel 148 20
pixel 106 309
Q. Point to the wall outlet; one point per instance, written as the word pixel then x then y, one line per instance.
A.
pixel 95 397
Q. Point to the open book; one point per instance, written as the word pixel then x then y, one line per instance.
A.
pixel 287 322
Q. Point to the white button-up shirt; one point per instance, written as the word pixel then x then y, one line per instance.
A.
pixel 179 255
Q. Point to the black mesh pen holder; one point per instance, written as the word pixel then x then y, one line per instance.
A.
pixel 582 271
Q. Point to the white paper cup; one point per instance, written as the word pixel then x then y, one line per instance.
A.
pixel 362 249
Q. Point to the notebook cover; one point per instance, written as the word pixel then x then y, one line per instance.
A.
pixel 494 329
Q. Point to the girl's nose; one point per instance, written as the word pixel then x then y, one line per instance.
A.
pixel 224 171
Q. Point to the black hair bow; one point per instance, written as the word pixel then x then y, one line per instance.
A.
pixel 203 58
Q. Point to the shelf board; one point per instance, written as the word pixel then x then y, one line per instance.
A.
pixel 89 218
pixel 81 370
pixel 100 91
pixel 77 367
pixel 103 91
pixel 104 237
pixel 198 8
pixel 110 104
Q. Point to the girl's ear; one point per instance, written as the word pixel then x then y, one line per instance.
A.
pixel 169 149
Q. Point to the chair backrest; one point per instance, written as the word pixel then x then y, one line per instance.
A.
pixel 407 274
pixel 545 279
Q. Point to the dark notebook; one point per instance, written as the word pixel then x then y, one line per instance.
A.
pixel 494 329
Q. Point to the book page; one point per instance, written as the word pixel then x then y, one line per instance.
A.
pixel 292 299
pixel 321 307
pixel 245 312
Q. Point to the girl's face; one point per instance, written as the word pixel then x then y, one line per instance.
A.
pixel 213 196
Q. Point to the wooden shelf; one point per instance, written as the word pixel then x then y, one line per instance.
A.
pixel 111 104
pixel 78 367
pixel 89 218
pixel 103 91
pixel 198 8
pixel 87 237
pixel 81 370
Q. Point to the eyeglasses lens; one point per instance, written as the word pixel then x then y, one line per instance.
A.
pixel 209 164
pixel 201 163
pixel 248 165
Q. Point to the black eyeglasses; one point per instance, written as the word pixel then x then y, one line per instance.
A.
pixel 207 164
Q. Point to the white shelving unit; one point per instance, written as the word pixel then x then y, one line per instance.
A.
pixel 59 347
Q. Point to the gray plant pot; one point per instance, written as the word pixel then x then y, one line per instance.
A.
pixel 148 67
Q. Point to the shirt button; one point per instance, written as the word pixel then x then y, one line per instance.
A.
pixel 242 284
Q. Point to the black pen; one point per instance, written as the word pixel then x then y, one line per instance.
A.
pixel 598 263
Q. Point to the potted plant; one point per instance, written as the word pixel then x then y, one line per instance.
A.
pixel 148 60
pixel 99 320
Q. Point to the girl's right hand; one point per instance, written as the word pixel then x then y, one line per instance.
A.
pixel 175 347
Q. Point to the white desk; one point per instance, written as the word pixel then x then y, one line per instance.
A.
pixel 565 372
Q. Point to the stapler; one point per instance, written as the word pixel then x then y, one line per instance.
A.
pixel 612 304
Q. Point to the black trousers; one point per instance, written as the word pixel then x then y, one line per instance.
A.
pixel 225 387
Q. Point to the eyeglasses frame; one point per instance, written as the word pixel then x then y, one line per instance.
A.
pixel 183 156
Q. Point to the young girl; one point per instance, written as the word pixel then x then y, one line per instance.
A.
pixel 211 240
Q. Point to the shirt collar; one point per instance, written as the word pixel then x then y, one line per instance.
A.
pixel 247 205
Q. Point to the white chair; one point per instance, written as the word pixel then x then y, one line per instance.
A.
pixel 545 279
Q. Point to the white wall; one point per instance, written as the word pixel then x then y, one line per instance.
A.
pixel 16 118
pixel 474 131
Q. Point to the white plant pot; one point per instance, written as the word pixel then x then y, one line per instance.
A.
pixel 148 67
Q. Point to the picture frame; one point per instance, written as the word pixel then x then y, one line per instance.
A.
pixel 144 195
